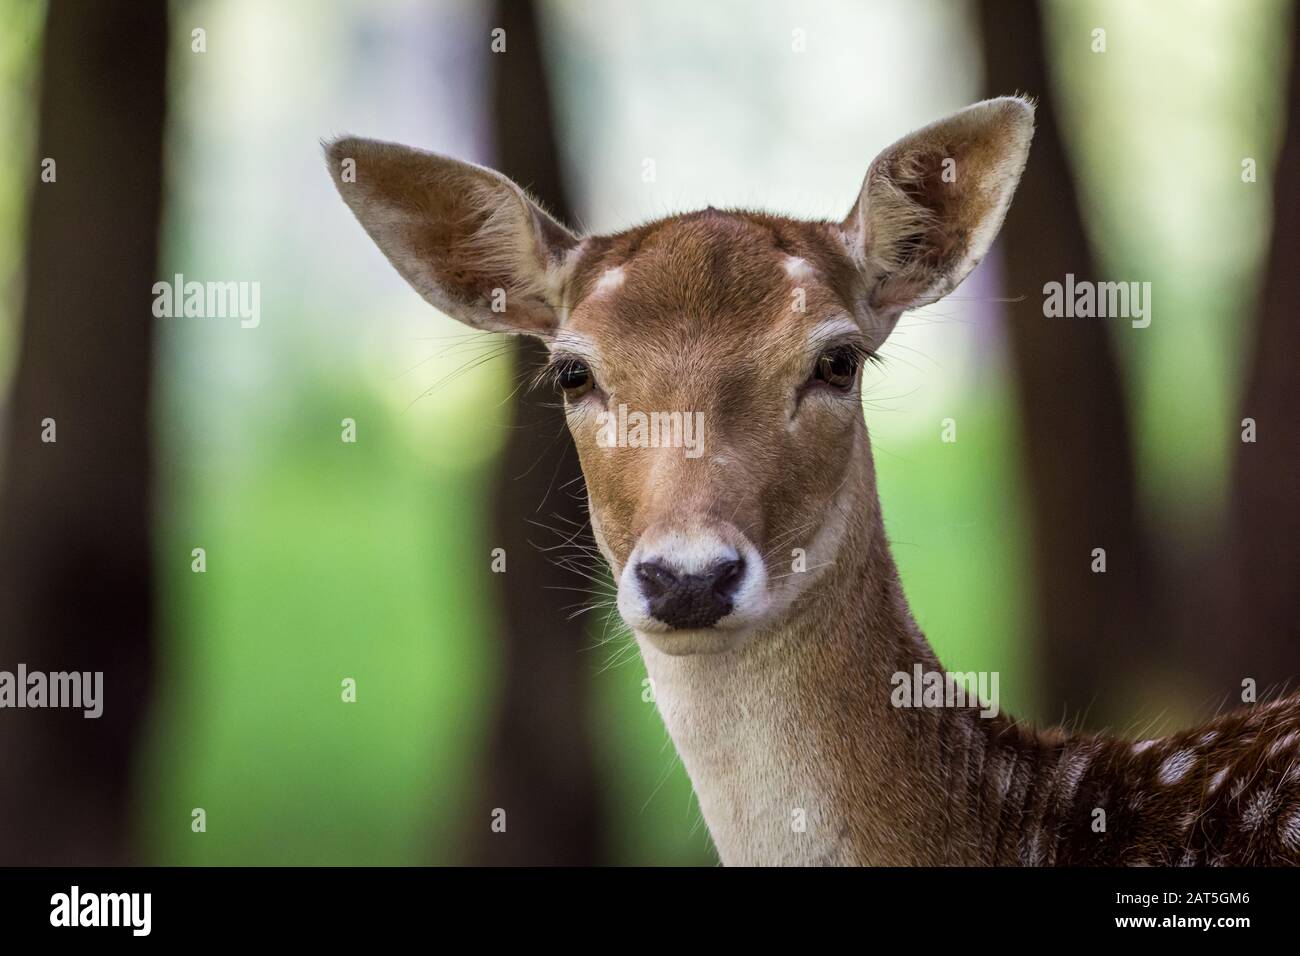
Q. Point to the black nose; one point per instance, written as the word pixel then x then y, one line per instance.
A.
pixel 688 601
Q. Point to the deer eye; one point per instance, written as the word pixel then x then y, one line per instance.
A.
pixel 573 377
pixel 838 367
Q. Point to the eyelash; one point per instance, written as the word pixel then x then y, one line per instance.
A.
pixel 554 373
pixel 857 353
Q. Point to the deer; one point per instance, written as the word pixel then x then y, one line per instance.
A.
pixel 778 685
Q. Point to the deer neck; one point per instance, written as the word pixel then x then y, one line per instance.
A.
pixel 792 744
pixel 798 754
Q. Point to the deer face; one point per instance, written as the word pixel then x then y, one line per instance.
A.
pixel 710 363
pixel 736 327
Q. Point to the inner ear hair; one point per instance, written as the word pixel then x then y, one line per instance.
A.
pixel 932 203
pixel 469 240
pixel 911 216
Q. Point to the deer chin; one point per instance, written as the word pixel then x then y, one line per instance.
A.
pixel 718 639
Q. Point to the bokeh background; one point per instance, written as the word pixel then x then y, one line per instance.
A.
pixel 371 560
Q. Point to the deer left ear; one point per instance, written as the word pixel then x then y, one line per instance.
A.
pixel 931 205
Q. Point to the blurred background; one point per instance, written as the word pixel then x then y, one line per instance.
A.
pixel 1168 151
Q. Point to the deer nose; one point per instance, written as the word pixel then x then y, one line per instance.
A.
pixel 690 601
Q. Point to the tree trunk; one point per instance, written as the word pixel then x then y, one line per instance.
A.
pixel 76 590
pixel 540 767
pixel 1080 476
pixel 1261 636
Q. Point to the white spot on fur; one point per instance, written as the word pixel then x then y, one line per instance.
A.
pixel 1289 830
pixel 1284 743
pixel 1142 746
pixel 1217 780
pixel 1209 738
pixel 1258 809
pixel 1176 766
pixel 797 268
pixel 610 280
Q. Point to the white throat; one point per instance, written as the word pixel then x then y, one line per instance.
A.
pixel 764 788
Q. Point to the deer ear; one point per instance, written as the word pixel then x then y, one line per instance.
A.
pixel 466 238
pixel 931 205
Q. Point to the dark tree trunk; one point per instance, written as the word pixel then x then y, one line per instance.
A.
pixel 76 591
pixel 540 766
pixel 1261 636
pixel 1091 627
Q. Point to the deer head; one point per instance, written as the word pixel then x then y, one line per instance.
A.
pixel 751 327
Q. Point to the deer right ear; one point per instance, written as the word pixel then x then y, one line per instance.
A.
pixel 466 238
pixel 931 206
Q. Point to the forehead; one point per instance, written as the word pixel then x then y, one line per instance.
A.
pixel 723 281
